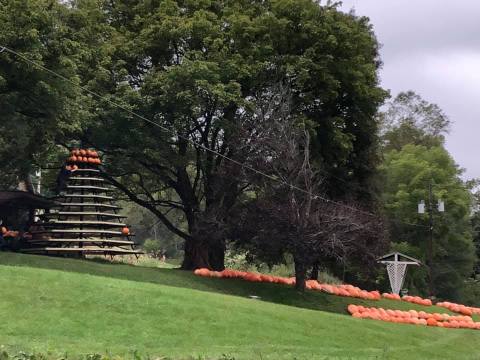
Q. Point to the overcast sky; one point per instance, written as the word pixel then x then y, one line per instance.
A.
pixel 433 48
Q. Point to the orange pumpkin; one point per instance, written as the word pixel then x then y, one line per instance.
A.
pixel 352 308
pixel 202 272
pixel 126 231
pixel 91 160
pixel 83 152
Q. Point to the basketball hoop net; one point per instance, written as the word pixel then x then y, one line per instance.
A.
pixel 396 274
pixel 397 269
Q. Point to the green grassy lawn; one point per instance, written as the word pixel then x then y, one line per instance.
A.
pixel 79 307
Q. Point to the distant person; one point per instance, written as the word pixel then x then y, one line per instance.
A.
pixel 63 177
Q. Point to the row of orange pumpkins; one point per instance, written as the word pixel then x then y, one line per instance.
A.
pixel 411 299
pixel 84 159
pixel 458 308
pixel 417 300
pixel 340 290
pixel 84 153
pixel 391 296
pixel 413 317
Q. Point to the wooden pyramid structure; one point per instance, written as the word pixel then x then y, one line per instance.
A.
pixel 85 219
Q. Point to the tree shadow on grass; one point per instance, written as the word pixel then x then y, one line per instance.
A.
pixel 274 293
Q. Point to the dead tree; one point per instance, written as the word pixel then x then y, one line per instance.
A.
pixel 289 214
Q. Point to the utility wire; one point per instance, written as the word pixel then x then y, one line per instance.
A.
pixel 120 106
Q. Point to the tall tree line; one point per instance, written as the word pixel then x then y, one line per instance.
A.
pixel 415 158
pixel 196 69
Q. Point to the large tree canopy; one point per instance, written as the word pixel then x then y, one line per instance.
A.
pixel 195 67
pixel 408 173
pixel 412 136
pixel 36 108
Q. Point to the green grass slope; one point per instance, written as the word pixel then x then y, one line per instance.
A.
pixel 79 307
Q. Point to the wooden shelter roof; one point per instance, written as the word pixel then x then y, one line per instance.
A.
pixel 401 257
pixel 24 200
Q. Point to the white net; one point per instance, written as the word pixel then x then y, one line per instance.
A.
pixel 396 274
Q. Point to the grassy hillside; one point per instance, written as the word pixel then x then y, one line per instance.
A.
pixel 79 307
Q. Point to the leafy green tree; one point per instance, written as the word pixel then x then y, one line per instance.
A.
pixel 409 119
pixel 407 174
pixel 476 238
pixel 195 67
pixel 38 110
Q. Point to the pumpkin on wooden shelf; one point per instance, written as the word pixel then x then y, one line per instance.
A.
pixel 126 231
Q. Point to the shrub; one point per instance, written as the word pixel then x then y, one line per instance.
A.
pixel 153 248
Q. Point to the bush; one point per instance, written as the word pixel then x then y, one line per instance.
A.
pixel 153 248
pixel 471 292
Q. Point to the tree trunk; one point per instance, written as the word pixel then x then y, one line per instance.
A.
pixel 315 271
pixel 216 255
pixel 196 255
pixel 300 275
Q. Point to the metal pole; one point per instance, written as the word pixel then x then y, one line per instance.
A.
pixel 430 240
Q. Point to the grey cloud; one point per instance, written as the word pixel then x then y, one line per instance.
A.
pixel 433 48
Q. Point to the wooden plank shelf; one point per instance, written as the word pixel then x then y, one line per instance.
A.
pixel 86 178
pixel 84 240
pixel 87 170
pixel 81 222
pixel 105 206
pixel 89 196
pixel 88 187
pixel 79 231
pixel 83 213
pixel 84 250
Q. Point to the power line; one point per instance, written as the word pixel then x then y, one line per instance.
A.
pixel 120 106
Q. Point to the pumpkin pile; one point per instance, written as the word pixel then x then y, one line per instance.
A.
pixel 245 275
pixel 340 290
pixel 9 233
pixel 391 296
pixel 417 300
pixel 460 309
pixel 350 291
pixel 84 156
pixel 413 317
